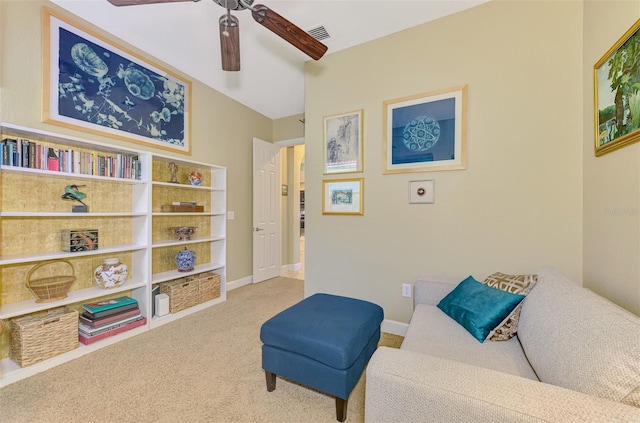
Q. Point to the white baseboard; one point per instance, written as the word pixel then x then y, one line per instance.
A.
pixel 290 268
pixel 239 282
pixel 394 328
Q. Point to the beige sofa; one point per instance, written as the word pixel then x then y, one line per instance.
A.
pixel 576 358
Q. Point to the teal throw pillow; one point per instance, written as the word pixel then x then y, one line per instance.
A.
pixel 479 308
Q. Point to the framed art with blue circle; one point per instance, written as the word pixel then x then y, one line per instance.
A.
pixel 426 132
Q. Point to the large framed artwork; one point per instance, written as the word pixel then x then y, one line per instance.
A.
pixel 617 94
pixel 92 84
pixel 426 132
pixel 343 196
pixel 343 143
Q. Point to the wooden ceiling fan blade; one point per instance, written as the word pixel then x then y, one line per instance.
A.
pixel 289 32
pixel 141 2
pixel 230 42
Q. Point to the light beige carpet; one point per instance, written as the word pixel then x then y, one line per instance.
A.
pixel 202 368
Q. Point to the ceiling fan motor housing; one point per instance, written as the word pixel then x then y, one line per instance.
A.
pixel 234 4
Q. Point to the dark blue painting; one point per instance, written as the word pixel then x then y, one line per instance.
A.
pixel 98 86
pixel 424 132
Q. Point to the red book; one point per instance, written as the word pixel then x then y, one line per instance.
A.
pixel 91 339
pixel 53 161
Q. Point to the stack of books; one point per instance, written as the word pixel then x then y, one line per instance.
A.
pixel 107 318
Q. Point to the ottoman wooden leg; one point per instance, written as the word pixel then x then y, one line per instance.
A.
pixel 341 409
pixel 271 381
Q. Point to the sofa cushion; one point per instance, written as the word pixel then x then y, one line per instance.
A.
pixel 578 340
pixel 477 307
pixel 433 332
pixel 516 284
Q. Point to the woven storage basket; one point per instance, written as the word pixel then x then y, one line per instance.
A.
pixel 37 338
pixel 183 293
pixel 50 288
pixel 208 286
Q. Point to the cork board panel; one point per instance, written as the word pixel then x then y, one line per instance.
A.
pixel 26 192
pixel 164 259
pixel 167 195
pixel 161 225
pixel 24 235
pixel 161 173
pixel 13 278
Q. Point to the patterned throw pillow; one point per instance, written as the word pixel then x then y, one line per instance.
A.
pixel 516 284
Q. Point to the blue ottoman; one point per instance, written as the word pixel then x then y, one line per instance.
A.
pixel 324 342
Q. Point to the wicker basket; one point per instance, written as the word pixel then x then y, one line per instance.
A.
pixel 208 286
pixel 183 293
pixel 37 338
pixel 50 288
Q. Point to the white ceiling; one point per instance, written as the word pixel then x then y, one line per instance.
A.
pixel 271 79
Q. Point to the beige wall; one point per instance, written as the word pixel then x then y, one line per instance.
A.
pixel 288 128
pixel 612 181
pixel 222 129
pixel 516 207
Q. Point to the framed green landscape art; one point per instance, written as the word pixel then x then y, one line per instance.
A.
pixel 617 94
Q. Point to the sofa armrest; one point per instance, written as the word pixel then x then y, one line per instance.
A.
pixel 412 387
pixel 430 290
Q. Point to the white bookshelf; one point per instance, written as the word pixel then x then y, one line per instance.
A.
pixel 138 217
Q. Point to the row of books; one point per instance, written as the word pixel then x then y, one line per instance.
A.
pixel 30 154
pixel 106 318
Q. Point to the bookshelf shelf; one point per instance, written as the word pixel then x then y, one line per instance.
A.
pixel 32 217
pixel 63 255
pixel 60 174
pixel 30 306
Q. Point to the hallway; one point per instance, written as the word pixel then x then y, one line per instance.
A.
pixel 299 274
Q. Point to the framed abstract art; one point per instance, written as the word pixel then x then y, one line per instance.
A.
pixel 426 132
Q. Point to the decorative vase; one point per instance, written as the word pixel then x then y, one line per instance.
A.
pixel 111 274
pixel 195 178
pixel 185 260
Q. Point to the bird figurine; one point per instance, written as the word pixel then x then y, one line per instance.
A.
pixel 71 192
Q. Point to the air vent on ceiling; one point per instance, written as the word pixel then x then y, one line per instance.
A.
pixel 320 33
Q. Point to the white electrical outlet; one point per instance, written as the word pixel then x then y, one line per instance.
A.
pixel 406 290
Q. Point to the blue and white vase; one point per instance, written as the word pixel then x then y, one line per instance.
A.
pixel 185 260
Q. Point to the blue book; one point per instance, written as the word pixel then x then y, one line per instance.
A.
pixel 100 306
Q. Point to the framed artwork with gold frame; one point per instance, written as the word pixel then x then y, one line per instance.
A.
pixel 343 196
pixel 92 84
pixel 343 149
pixel 617 94
pixel 426 132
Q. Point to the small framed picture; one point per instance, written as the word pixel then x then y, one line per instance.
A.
pixel 421 192
pixel 343 196
pixel 343 143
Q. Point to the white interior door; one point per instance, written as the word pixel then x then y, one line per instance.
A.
pixel 266 211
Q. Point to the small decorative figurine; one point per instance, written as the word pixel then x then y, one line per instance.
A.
pixel 71 192
pixel 195 178
pixel 173 168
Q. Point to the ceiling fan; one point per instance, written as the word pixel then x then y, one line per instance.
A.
pixel 230 35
